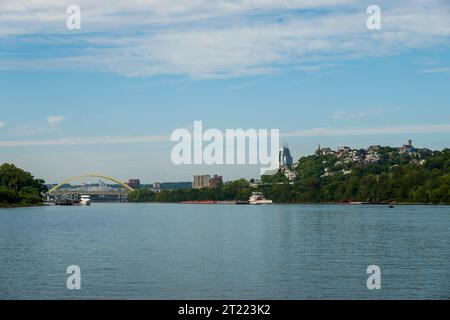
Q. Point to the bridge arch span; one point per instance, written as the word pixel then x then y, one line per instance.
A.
pixel 91 175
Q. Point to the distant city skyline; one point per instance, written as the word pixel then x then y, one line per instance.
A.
pixel 107 97
pixel 233 171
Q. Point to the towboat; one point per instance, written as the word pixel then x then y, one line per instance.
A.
pixel 258 198
pixel 85 200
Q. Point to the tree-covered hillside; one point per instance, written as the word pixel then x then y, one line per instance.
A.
pixel 421 177
pixel 388 175
pixel 18 187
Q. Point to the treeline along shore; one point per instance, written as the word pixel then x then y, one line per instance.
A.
pixel 19 188
pixel 419 177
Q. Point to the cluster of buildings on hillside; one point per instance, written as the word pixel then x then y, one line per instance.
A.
pixel 370 155
pixel 344 154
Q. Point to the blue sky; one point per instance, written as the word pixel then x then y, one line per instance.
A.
pixel 78 101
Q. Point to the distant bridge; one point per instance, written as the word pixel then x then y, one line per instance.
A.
pixel 119 194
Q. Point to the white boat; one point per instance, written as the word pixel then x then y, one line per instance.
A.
pixel 258 198
pixel 85 200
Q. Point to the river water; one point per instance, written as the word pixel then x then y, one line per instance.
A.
pixel 175 251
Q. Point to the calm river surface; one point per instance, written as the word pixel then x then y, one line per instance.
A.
pixel 174 251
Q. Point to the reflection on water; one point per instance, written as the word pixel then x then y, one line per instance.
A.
pixel 172 251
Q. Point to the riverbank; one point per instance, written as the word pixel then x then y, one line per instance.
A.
pixel 19 205
pixel 303 203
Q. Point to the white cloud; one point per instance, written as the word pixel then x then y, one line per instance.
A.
pixel 2 124
pixel 346 132
pixel 318 67
pixel 436 70
pixel 216 39
pixel 352 115
pixel 31 129
pixel 48 16
pixel 316 132
pixel 82 141
pixel 54 121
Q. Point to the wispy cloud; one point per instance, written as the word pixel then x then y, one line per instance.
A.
pixel 316 132
pixel 54 121
pixel 32 129
pixel 318 67
pixel 436 70
pixel 344 132
pixel 82 141
pixel 45 16
pixel 246 84
pixel 2 124
pixel 213 39
pixel 352 115
pixel 312 77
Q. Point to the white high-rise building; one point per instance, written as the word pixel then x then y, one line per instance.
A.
pixel 285 158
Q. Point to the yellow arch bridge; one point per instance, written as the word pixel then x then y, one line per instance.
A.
pixel 121 193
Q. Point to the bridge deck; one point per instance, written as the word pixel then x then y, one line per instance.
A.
pixel 59 192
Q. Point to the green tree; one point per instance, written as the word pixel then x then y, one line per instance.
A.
pixel 19 187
